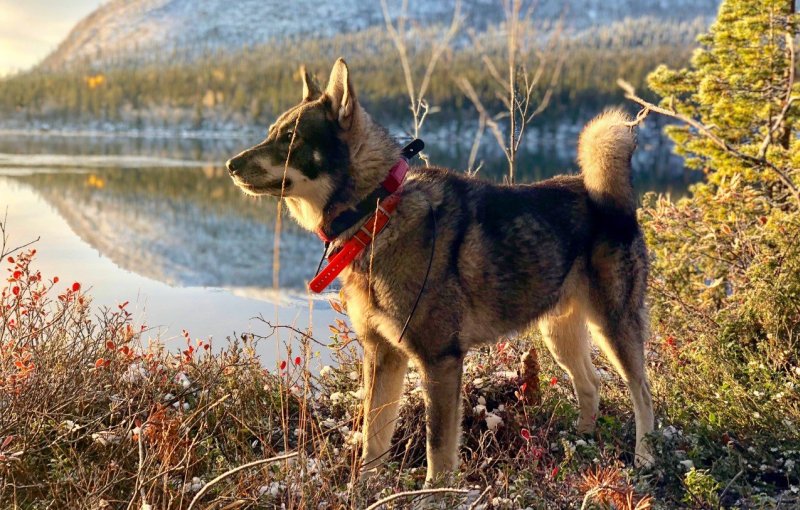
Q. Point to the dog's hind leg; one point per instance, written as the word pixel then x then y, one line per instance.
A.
pixel 619 324
pixel 442 389
pixel 383 372
pixel 565 334
pixel 623 343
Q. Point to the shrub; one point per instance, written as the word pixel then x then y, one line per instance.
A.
pixel 725 272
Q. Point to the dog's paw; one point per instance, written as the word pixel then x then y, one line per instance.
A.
pixel 644 458
pixel 586 427
pixel 367 474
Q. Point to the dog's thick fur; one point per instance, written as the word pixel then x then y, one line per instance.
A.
pixel 566 253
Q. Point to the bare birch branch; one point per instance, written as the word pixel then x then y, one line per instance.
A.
pixel 469 91
pixel 517 90
pixel 420 109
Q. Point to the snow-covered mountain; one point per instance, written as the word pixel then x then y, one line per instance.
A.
pixel 128 30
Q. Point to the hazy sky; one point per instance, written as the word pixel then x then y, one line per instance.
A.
pixel 30 29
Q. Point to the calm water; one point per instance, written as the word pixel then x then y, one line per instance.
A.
pixel 158 223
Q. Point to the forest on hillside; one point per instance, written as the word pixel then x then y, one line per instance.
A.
pixel 250 86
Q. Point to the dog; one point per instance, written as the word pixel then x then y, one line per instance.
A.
pixel 566 253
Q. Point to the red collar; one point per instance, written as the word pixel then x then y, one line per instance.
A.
pixel 371 227
pixel 387 197
pixel 366 207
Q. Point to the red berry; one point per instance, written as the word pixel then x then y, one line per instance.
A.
pixel 298 360
pixel 283 365
pixel 554 381
pixel 76 287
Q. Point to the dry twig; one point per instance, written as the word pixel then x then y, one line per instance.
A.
pixel 235 470
pixel 422 492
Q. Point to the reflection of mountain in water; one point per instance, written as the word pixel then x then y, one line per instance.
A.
pixel 187 227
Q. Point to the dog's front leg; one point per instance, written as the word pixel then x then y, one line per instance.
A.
pixel 442 385
pixel 384 368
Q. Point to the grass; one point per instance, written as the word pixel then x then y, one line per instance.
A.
pixel 94 415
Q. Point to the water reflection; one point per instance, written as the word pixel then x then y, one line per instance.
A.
pixel 181 226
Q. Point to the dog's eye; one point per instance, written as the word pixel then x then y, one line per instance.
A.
pixel 288 135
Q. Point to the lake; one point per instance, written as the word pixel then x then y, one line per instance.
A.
pixel 156 221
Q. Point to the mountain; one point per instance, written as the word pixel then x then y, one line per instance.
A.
pixel 124 31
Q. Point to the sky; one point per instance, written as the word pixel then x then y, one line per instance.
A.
pixel 30 29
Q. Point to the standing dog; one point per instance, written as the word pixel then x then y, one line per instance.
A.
pixel 566 253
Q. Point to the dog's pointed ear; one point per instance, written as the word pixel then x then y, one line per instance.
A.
pixel 341 94
pixel 311 89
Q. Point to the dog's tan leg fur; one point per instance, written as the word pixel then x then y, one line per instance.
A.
pixel 442 385
pixel 566 336
pixel 629 363
pixel 383 371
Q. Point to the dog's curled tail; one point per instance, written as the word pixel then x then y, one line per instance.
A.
pixel 605 148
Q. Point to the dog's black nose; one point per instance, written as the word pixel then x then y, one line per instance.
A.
pixel 233 165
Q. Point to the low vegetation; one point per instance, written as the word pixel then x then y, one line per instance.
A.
pixel 93 414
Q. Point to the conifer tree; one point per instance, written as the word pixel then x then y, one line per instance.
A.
pixel 725 270
pixel 741 85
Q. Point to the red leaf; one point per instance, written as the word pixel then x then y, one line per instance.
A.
pixel 76 287
pixel 99 363
pixel 526 435
pixel 523 388
pixel 336 306
pixel 554 472
pixel 6 442
pixel 110 345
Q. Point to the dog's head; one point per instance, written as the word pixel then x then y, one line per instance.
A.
pixel 306 156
